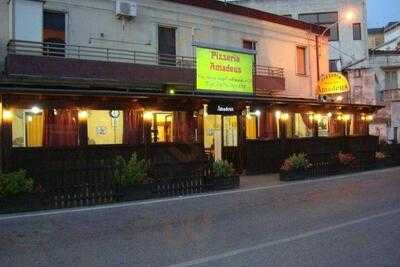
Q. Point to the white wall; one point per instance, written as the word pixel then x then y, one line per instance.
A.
pixel 3 32
pixel 27 20
pixel 347 49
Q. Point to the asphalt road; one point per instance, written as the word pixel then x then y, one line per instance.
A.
pixel 351 221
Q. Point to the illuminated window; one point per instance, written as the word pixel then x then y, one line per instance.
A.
pixel 27 128
pixel 251 127
pixel 162 127
pixel 105 127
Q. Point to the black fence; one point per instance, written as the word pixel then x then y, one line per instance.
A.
pixel 267 156
pixel 81 176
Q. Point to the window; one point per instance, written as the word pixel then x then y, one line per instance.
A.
pixel 167 46
pixel 105 127
pixel 357 73
pixel 251 45
pixel 333 65
pixel 251 126
pixel 328 19
pixel 27 128
pixel 301 60
pixel 54 33
pixel 356 31
pixel 161 127
pixel 391 80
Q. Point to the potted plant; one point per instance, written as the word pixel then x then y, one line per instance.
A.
pixel 348 161
pixel 295 167
pixel 224 176
pixel 130 178
pixel 16 192
pixel 380 159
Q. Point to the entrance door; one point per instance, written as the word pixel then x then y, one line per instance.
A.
pixel 221 137
pixel 230 149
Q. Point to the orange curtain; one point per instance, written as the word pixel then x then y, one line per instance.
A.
pixel 35 130
pixel 61 127
pixel 268 129
pixel 183 127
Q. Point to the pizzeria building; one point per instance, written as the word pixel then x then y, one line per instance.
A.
pixel 106 78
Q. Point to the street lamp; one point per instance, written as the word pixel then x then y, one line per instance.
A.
pixel 349 15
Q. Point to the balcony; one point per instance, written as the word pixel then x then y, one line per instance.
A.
pixel 108 66
pixel 390 95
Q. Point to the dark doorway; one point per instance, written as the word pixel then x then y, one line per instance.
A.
pixel 54 33
pixel 166 46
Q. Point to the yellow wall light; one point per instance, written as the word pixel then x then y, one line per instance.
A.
pixel 278 114
pixel 148 115
pixel 83 115
pixel 8 115
pixel 285 116
pixel 346 117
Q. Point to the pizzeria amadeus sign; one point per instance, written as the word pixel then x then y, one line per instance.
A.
pixel 333 83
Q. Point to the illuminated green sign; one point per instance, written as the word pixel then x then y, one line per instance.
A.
pixel 224 71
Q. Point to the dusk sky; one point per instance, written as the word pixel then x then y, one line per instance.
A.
pixel 380 12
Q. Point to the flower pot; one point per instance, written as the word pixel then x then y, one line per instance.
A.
pixel 223 183
pixel 293 175
pixel 134 192
pixel 20 203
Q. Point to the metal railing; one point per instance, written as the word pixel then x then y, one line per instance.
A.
pixel 391 95
pixel 62 50
pixel 269 71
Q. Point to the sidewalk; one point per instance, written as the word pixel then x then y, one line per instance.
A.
pixel 253 181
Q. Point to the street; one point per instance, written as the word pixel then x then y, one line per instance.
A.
pixel 338 221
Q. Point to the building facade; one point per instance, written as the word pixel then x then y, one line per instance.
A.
pixel 375 37
pixel 384 64
pixel 348 41
pixel 110 75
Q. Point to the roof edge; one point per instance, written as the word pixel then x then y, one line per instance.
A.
pixel 252 13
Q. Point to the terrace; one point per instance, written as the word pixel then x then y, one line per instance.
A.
pixel 137 70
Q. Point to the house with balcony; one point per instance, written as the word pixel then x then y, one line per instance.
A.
pixel 83 79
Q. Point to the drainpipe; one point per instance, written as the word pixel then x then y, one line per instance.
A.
pixel 317 52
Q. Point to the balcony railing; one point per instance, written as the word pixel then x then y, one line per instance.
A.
pixel 61 50
pixel 391 95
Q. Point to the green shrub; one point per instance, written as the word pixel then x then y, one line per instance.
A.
pixel 131 172
pixel 15 183
pixel 296 162
pixel 222 168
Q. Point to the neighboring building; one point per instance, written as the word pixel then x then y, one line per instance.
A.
pixel 386 67
pixel 392 32
pixel 82 77
pixel 384 63
pixel 375 37
pixel 348 36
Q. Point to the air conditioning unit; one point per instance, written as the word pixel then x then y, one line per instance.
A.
pixel 126 9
